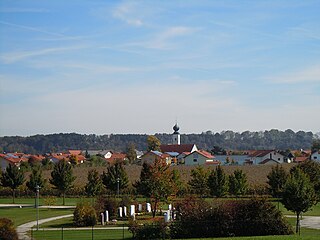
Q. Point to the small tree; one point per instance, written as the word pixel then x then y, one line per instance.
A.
pixel 62 177
pixel 115 177
pixel 12 177
pixel 84 215
pixel 131 153
pixel 36 179
pixel 156 182
pixel 298 194
pixel 238 183
pixel 198 181
pixel 312 170
pixel 276 180
pixel 94 185
pixel 7 230
pixel 218 182
pixel 153 143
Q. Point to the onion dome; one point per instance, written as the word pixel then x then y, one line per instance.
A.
pixel 176 129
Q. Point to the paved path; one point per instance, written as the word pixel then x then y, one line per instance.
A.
pixel 24 228
pixel 310 222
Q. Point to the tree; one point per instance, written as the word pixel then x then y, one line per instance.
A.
pixel 218 182
pixel 142 185
pixel 198 181
pixel 7 230
pixel 156 182
pixel 238 183
pixel 12 177
pixel 298 194
pixel 153 143
pixel 36 179
pixel 62 177
pixel 315 145
pixel 115 177
pixel 276 180
pixel 312 170
pixel 94 185
pixel 131 153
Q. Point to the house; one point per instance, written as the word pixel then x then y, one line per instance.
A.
pixel 151 156
pixel 178 148
pixel 260 157
pixel 199 157
pixel 117 157
pixel 181 156
pixel 300 159
pixel 104 153
pixel 12 158
pixel 315 156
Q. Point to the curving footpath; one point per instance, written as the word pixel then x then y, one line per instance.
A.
pixel 24 228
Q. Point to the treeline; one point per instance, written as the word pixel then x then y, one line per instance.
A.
pixel 269 139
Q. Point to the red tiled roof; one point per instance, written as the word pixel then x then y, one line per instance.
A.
pixel 268 160
pixel 177 148
pixel 301 159
pixel 260 153
pixel 74 152
pixel 205 154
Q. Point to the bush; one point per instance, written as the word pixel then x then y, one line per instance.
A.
pixel 7 230
pixel 104 203
pixel 84 215
pixel 198 219
pixel 156 230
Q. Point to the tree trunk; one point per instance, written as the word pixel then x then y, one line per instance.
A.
pixel 63 200
pixel 298 222
pixel 13 195
pixel 154 209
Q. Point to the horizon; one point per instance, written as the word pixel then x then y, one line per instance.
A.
pixel 96 67
pixel 317 134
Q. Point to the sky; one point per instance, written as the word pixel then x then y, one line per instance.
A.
pixel 102 67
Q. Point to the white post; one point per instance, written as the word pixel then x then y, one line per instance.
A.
pixel 125 211
pixel 107 216
pixel 140 207
pixel 102 219
pixel 120 212
pixel 132 210
pixel 170 207
pixel 148 207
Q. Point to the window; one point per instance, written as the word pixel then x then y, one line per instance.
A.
pixel 195 160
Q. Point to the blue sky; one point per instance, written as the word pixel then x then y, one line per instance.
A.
pixel 138 66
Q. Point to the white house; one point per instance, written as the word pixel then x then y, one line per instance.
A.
pixel 315 156
pixel 265 157
pixel 198 158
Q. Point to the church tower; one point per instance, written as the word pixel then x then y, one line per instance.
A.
pixel 176 135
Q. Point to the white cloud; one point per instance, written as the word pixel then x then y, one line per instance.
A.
pixel 128 12
pixel 165 39
pixel 307 75
pixel 21 55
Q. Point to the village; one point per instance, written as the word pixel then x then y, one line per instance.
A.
pixel 172 154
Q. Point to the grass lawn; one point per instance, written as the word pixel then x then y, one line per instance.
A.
pixel 24 215
pixel 58 201
pixel 82 234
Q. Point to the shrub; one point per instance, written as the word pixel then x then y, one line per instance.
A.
pixel 197 219
pixel 104 203
pixel 84 215
pixel 156 230
pixel 7 230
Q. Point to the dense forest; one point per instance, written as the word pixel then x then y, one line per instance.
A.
pixel 272 139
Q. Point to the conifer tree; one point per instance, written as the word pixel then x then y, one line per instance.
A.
pixel 238 183
pixel 36 179
pixel 218 182
pixel 62 177
pixel 115 177
pixel 198 181
pixel 12 177
pixel 94 185
pixel 276 180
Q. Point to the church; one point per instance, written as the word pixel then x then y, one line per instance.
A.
pixel 177 153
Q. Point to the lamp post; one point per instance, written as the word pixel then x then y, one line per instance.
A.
pixel 118 187
pixel 37 205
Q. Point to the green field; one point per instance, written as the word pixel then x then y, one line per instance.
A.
pixel 42 201
pixel 24 215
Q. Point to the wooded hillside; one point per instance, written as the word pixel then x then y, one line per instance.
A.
pixel 272 139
